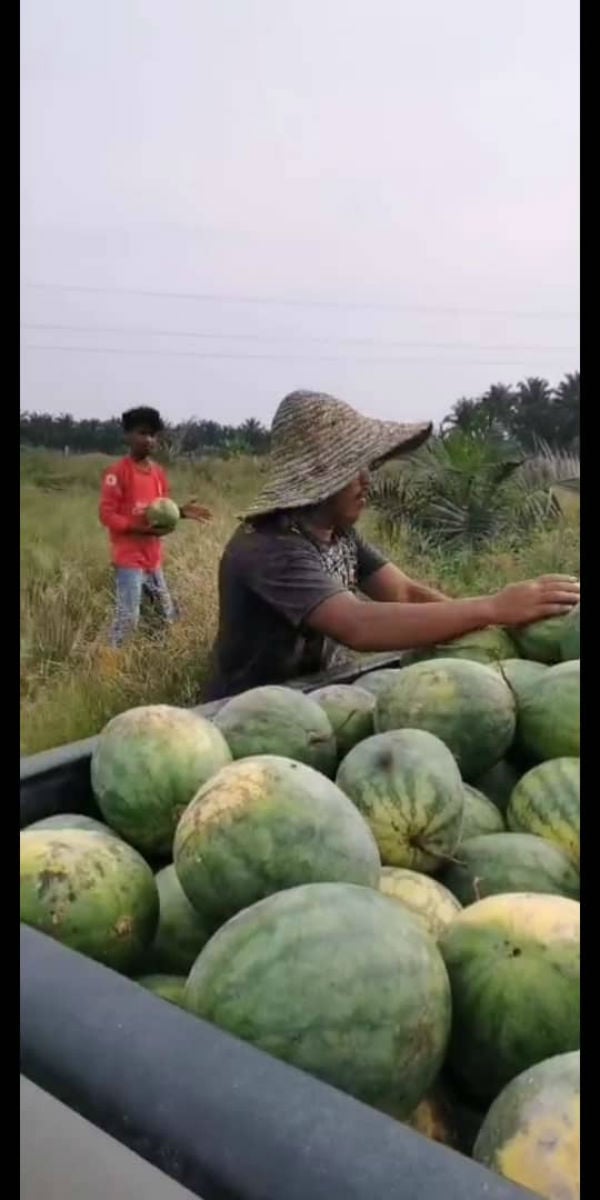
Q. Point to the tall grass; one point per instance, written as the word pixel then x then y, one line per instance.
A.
pixel 71 685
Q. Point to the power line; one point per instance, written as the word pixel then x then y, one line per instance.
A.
pixel 119 350
pixel 296 302
pixel 253 337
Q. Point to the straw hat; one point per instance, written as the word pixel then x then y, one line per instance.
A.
pixel 318 446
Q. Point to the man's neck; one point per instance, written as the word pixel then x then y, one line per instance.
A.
pixel 321 526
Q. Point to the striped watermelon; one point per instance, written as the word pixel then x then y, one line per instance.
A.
pixel 531 1133
pixel 498 783
pixel 513 963
pixel 519 674
pixel 408 787
pixel 182 931
pixel 480 815
pixel 279 721
pixel 466 704
pixel 546 802
pixel 486 646
pixel 338 980
pixel 429 901
pixel 548 715
pixel 510 862
pixel 541 641
pixel 377 681
pixel 350 710
pixel 569 642
pixel 168 987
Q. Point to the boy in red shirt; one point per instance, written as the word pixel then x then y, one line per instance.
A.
pixel 136 549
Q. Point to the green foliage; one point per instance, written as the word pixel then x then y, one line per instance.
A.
pixel 466 490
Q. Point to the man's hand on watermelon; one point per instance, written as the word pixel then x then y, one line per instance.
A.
pixel 522 603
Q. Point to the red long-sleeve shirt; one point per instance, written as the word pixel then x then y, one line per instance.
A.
pixel 127 489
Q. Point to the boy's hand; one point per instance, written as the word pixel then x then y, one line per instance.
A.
pixel 521 603
pixel 192 511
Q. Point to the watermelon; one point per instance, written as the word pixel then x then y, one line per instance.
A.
pixel 546 802
pixel 519 673
pixel 408 787
pixel 541 640
pixel 350 710
pixel 281 721
pixel 264 824
pixel 73 821
pixel 480 815
pixel 548 715
pixel 94 894
pixel 531 1134
pixel 429 901
pixel 466 704
pixel 498 783
pixel 378 681
pixel 181 931
pixel 569 642
pixel 163 515
pixel 147 765
pixel 510 862
pixel 486 646
pixel 168 987
pixel 513 963
pixel 338 980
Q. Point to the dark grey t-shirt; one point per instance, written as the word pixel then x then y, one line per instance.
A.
pixel 270 579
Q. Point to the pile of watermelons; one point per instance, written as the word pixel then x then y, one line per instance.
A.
pixel 377 883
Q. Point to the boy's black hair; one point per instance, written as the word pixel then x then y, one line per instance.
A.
pixel 138 418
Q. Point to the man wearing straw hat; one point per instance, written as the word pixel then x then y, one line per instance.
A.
pixel 298 586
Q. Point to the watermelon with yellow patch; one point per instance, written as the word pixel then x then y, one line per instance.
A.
pixel 94 894
pixel 408 787
pixel 429 901
pixel 546 802
pixel 264 824
pixel 531 1134
pixel 465 704
pixel 513 963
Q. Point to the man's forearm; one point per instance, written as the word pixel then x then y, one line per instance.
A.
pixel 379 627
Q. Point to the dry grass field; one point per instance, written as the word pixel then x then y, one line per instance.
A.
pixel 70 686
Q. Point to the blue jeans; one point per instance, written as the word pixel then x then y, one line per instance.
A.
pixel 133 586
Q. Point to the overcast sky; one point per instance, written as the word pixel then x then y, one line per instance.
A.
pixel 376 198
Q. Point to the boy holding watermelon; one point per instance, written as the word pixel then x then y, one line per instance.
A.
pixel 129 489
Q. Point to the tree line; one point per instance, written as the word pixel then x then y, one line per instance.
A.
pixel 530 413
